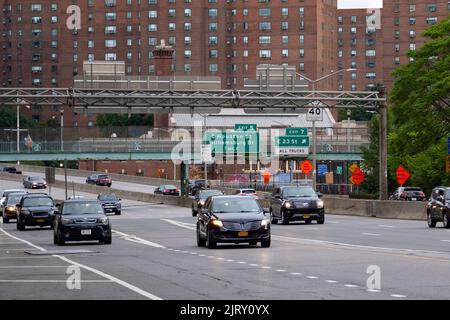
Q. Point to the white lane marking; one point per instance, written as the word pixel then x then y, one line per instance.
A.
pixel 296 273
pixel 312 277
pixel 280 270
pixel 241 262
pixel 136 239
pixel 254 265
pixel 98 272
pixel 55 281
pixel 220 258
pixel 333 222
pixel 351 286
pixel 398 296
pixel 385 226
pixel 445 240
pixel 230 260
pixel 373 290
pixel 15 242
pixel 331 281
pixel 202 255
pixel 311 228
pixel 266 267
pixel 370 234
pixel 211 257
pixel 180 224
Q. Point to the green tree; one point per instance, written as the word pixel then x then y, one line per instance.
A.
pixel 121 120
pixel 371 162
pixel 8 118
pixel 420 110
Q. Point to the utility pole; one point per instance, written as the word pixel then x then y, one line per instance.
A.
pixel 314 173
pixel 62 130
pixel 383 148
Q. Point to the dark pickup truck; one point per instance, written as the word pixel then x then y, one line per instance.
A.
pixel 11 170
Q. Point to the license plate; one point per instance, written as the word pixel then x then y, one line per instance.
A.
pixel 243 234
pixel 40 220
pixel 413 199
pixel 86 232
pixel 306 216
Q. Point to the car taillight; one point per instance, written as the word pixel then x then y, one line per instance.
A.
pixel 404 195
pixel 166 190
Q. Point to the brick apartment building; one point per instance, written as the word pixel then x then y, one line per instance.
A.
pixel 210 37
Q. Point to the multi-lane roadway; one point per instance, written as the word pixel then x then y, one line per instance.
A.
pixel 154 256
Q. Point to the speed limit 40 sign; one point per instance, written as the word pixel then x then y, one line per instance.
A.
pixel 314 114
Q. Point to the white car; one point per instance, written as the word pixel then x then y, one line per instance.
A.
pixel 4 193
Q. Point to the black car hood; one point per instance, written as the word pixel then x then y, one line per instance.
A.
pixel 240 216
pixel 83 216
pixel 38 209
pixel 298 199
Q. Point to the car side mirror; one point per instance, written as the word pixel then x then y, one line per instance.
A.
pixel 440 198
pixel 120 199
pixel 19 206
pixel 204 211
pixel 266 210
pixel 320 195
pixel 277 196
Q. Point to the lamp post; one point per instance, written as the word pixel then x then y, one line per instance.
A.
pixel 65 175
pixel 313 84
pixel 349 113
pixel 19 102
pixel 62 130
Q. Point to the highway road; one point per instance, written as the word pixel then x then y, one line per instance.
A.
pixel 137 187
pixel 154 256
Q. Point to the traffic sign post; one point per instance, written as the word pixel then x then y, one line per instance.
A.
pixel 402 175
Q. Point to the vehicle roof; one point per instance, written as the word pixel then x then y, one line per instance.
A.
pixel 234 197
pixel 36 195
pixel 209 190
pixel 10 190
pixel 80 201
pixel 246 189
pixel 16 193
pixel 301 186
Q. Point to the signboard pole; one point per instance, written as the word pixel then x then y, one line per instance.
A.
pixel 314 154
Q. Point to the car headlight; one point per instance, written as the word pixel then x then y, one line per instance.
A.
pixel 103 220
pixel 287 205
pixel 10 209
pixel 202 202
pixel 216 223
pixel 66 221
pixel 265 223
pixel 319 204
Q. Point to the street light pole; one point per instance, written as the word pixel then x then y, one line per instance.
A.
pixel 62 130
pixel 18 131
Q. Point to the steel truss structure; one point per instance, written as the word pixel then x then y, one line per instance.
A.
pixel 188 101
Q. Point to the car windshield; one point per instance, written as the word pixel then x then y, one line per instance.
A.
pixel 38 202
pixel 14 199
pixel 36 179
pixel 299 192
pixel 248 191
pixel 234 205
pixel 209 193
pixel 447 194
pixel 413 189
pixel 108 197
pixel 103 176
pixel 169 187
pixel 82 208
pixel 6 193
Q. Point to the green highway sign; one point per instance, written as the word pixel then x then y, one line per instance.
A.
pixel 291 141
pixel 296 131
pixel 233 142
pixel 245 127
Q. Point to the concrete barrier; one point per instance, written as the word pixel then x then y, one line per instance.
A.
pixel 407 210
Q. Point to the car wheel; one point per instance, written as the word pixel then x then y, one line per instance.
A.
pixel 284 219
pixel 431 222
pixel 265 244
pixel 60 240
pixel 107 240
pixel 321 220
pixel 200 241
pixel 5 220
pixel 307 221
pixel 210 243
pixel 118 213
pixel 445 220
pixel 273 219
pixel 194 213
pixel 20 225
pixel 55 238
pixel 109 185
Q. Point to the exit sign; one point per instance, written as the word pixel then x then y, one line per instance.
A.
pixel 296 131
pixel 291 141
pixel 245 127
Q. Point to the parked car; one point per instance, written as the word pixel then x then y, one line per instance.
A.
pixel 246 192
pixel 99 180
pixel 200 197
pixel 76 198
pixel 408 194
pixel 81 220
pixel 35 209
pixel 10 208
pixel 168 190
pixel 11 170
pixel 110 203
pixel 5 193
pixel 34 182
pixel 438 207
pixel 292 203
pixel 233 219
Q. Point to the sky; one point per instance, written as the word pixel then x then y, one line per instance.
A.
pixel 359 4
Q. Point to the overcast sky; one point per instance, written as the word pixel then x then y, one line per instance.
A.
pixel 359 4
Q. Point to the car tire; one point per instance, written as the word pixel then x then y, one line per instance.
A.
pixel 284 219
pixel 5 220
pixel 307 221
pixel 210 243
pixel 321 220
pixel 59 240
pixel 20 225
pixel 107 240
pixel 118 213
pixel 55 238
pixel 194 213
pixel 446 220
pixel 265 244
pixel 430 221
pixel 109 185
pixel 272 218
pixel 200 241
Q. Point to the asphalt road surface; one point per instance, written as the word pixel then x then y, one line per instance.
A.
pixel 154 256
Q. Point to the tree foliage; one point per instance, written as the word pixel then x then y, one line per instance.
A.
pixel 8 118
pixel 122 120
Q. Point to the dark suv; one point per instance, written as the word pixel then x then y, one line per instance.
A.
pixel 293 203
pixel 99 180
pixel 110 203
pixel 35 209
pixel 408 194
pixel 438 207
pixel 81 220
pixel 11 170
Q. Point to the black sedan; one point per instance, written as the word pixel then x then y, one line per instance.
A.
pixel 35 209
pixel 292 203
pixel 110 203
pixel 81 220
pixel 233 219
pixel 167 190
pixel 99 180
pixel 34 183
pixel 200 198
pixel 408 194
pixel 438 207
